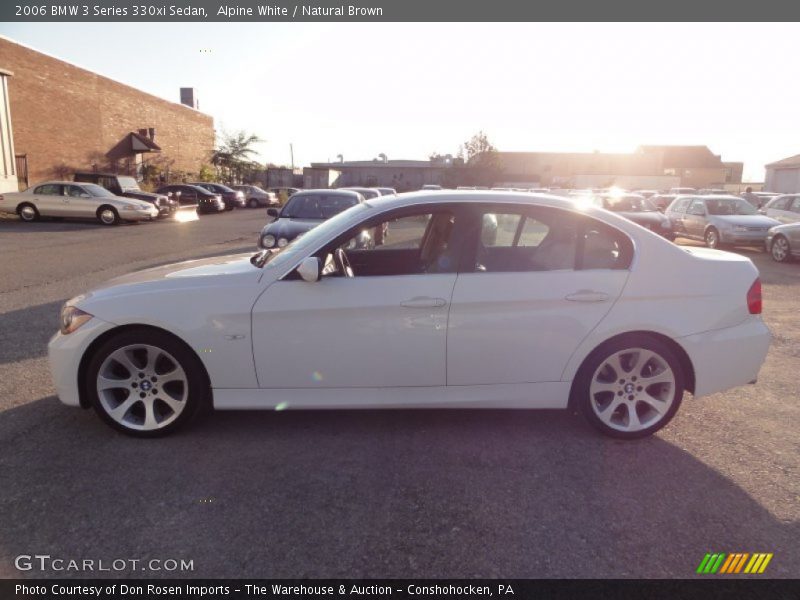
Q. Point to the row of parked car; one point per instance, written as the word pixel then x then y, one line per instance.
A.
pixel 717 219
pixel 112 198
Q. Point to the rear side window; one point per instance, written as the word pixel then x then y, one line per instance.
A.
pixel 795 206
pixel 603 247
pixel 537 240
pixel 780 203
pixel 50 189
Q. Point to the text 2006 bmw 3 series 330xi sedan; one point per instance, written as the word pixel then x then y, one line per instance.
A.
pixel 472 299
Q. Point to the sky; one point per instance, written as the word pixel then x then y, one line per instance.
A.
pixel 410 89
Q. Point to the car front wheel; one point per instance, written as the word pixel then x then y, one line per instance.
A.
pixel 108 215
pixel 780 250
pixel 712 238
pixel 146 383
pixel 630 388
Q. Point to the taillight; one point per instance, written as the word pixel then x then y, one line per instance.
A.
pixel 754 298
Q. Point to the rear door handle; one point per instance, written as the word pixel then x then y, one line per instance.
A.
pixel 423 302
pixel 587 296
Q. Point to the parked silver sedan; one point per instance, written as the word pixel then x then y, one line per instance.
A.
pixel 75 200
pixel 783 242
pixel 718 220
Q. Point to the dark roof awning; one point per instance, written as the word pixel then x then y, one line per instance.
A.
pixel 140 144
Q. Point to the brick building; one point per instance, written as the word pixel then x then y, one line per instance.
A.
pixel 65 118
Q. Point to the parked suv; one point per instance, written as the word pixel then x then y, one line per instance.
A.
pixel 128 187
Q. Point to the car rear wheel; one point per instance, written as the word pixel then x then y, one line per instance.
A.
pixel 108 215
pixel 780 250
pixel 712 238
pixel 146 383
pixel 27 212
pixel 630 388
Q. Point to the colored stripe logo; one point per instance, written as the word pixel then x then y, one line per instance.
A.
pixel 736 562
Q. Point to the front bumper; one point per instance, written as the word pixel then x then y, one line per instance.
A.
pixel 727 358
pixel 65 353
pixel 139 215
pixel 742 238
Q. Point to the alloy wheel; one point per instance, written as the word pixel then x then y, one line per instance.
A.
pixel 780 249
pixel 632 389
pixel 142 387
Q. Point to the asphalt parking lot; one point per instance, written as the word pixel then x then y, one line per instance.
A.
pixel 376 493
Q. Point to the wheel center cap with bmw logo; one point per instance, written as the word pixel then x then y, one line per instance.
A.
pixel 146 385
pixel 628 388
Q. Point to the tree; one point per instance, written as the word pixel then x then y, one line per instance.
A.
pixel 232 157
pixel 481 160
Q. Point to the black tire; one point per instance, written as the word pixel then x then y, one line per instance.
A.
pixel 582 396
pixel 28 212
pixel 711 238
pixel 198 394
pixel 779 242
pixel 108 215
pixel 252 203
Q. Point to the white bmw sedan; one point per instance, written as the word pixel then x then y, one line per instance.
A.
pixel 75 200
pixel 473 300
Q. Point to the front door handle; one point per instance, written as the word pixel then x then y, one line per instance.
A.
pixel 424 302
pixel 587 296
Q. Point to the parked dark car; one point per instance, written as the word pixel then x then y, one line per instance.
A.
pixel 662 201
pixel 128 187
pixel 304 211
pixel 191 195
pixel 232 198
pixel 367 192
pixel 639 210
pixel 254 196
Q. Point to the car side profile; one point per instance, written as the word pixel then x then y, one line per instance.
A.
pixel 638 209
pixel 718 220
pixel 192 195
pixel 476 300
pixel 783 242
pixel 66 199
pixel 784 208
pixel 255 196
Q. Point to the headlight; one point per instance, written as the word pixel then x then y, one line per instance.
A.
pixel 72 318
pixel 282 242
pixel 268 241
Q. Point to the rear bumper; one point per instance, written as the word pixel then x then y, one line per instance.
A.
pixel 727 358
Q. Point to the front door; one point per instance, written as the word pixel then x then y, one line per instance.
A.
pixel 384 326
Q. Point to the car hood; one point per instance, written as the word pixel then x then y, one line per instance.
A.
pixel 746 220
pixel 188 275
pixel 141 195
pixel 290 228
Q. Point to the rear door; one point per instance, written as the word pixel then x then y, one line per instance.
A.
pixel 50 201
pixel 533 283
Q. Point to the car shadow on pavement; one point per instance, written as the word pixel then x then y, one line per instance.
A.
pixel 24 333
pixel 428 493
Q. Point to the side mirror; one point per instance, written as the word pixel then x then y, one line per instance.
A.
pixel 310 269
pixel 273 212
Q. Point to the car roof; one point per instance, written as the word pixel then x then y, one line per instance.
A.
pixel 340 191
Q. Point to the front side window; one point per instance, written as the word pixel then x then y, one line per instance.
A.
pixel 680 205
pixel 795 206
pixel 411 244
pixel 780 203
pixel 697 208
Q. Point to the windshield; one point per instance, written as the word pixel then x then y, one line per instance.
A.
pixel 128 183
pixel 97 191
pixel 628 204
pixel 316 206
pixel 315 237
pixel 730 206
